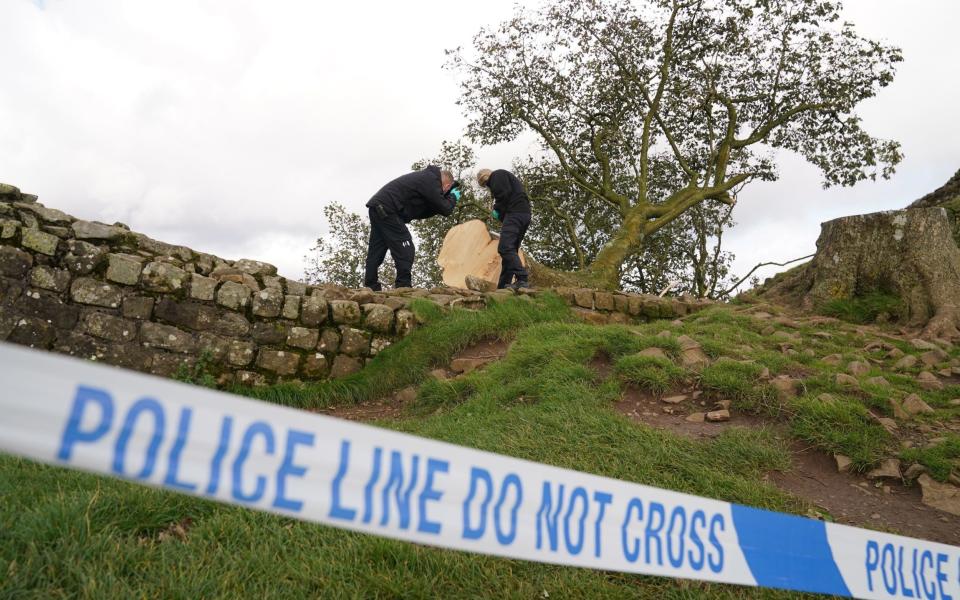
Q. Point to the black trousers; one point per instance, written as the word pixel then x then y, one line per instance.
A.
pixel 511 235
pixel 388 232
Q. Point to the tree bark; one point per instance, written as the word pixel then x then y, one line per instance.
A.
pixel 907 253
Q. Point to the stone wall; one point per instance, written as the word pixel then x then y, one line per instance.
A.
pixel 105 293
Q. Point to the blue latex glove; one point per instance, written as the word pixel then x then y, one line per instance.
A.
pixel 455 194
pixel 495 214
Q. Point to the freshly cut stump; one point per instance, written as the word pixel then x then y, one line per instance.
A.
pixel 470 249
pixel 910 254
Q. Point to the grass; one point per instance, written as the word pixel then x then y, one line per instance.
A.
pixel 865 309
pixel 652 373
pixel 68 534
pixel 939 459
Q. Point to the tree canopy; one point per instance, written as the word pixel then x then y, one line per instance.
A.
pixel 656 109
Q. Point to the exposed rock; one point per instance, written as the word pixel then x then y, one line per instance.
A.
pixel 164 277
pixel 83 257
pixel 915 470
pixel 361 297
pixel 888 469
pixel 697 417
pixel 254 267
pixel 278 361
pixel 232 324
pixel 378 317
pixel 378 344
pixel 907 362
pixel 786 387
pixel 302 337
pixel 164 336
pixel 847 381
pixel 14 263
pixel 329 341
pixel 86 230
pixel 878 381
pixel 934 357
pixel 109 327
pixel 928 381
pixel 97 293
pixel 832 359
pixel 941 496
pixel 603 301
pixel 717 416
pixel 827 398
pixel 49 278
pixel 314 311
pixel 843 463
pixel 921 344
pixel 268 302
pixel 406 395
pixel 41 242
pixel 354 342
pixel 272 333
pixel 124 268
pixel 232 295
pixel 202 288
pixel 590 316
pixel 674 399
pixel 240 353
pixel 691 353
pixel 895 353
pixel 654 352
pixel 858 368
pixel 138 307
pixel 914 405
pixel 479 284
pixel 344 365
pixel 315 365
pixel 345 312
pixel 291 307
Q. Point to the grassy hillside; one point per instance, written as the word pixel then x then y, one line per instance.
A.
pixel 550 399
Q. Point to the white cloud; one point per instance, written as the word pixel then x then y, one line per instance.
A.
pixel 227 126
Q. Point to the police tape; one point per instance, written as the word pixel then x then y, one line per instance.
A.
pixel 187 439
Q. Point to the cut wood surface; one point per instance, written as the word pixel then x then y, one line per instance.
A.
pixel 470 249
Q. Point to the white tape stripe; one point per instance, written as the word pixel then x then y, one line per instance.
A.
pixel 358 477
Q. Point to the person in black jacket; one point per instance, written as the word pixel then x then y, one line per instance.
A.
pixel 511 207
pixel 417 195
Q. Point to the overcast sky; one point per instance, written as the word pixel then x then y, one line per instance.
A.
pixel 227 125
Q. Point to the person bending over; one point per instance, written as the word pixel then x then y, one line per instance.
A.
pixel 512 208
pixel 418 195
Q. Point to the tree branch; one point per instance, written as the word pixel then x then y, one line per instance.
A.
pixel 766 264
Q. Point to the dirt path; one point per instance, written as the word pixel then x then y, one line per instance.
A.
pixel 850 499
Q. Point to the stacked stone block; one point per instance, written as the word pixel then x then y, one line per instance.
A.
pixel 104 293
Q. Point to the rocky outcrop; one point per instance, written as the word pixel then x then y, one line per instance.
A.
pixel 105 293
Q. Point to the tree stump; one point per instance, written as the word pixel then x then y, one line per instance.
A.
pixel 908 253
pixel 470 249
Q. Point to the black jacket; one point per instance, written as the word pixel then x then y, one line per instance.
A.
pixel 416 195
pixel 508 193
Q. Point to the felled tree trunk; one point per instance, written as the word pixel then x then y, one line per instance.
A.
pixel 907 253
pixel 470 249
